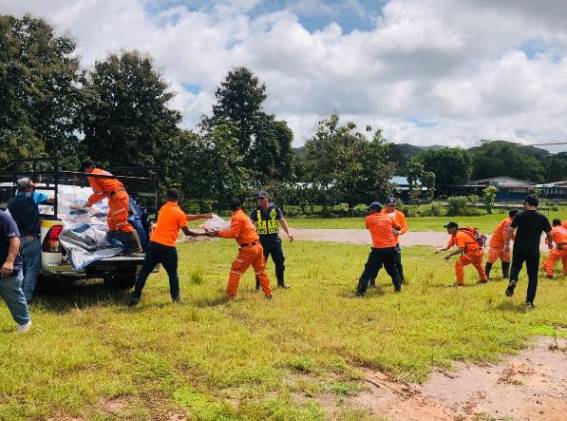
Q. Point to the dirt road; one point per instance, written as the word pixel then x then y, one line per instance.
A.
pixel 359 236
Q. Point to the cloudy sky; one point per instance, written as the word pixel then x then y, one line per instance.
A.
pixel 426 71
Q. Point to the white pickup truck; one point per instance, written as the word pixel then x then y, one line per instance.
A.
pixel 117 272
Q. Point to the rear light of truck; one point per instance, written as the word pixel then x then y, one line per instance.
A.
pixel 51 242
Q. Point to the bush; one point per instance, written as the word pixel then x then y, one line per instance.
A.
pixel 457 206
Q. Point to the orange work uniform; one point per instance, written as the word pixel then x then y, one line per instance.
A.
pixel 400 220
pixel 496 250
pixel 171 219
pixel 472 255
pixel 250 253
pixel 559 235
pixel 118 200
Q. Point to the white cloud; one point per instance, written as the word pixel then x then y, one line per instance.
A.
pixel 430 71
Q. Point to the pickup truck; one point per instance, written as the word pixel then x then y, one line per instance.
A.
pixel 118 272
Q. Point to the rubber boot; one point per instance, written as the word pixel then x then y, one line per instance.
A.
pixel 487 269
pixel 133 242
pixel 505 270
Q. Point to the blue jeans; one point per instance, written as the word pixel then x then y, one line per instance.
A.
pixel 11 292
pixel 30 250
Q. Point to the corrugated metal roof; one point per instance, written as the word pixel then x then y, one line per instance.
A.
pixel 503 182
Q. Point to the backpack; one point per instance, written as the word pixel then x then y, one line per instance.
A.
pixel 475 234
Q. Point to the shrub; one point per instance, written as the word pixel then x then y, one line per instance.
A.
pixel 457 206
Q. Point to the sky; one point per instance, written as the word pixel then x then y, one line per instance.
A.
pixel 446 72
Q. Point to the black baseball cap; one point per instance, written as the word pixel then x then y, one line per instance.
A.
pixel 262 194
pixel 451 225
pixel 377 206
pixel 391 201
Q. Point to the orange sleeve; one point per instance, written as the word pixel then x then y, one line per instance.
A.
pixel 451 242
pixel 401 219
pixel 183 219
pixel 98 192
pixel 234 230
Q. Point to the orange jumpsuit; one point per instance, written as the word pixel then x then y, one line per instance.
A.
pixel 250 253
pixel 496 250
pixel 118 200
pixel 472 255
pixel 559 235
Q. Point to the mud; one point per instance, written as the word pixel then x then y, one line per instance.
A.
pixel 531 385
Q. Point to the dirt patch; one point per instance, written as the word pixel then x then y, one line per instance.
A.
pixel 531 385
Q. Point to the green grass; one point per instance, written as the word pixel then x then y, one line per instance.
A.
pixel 90 356
pixel 486 223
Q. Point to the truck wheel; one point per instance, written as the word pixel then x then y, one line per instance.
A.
pixel 124 279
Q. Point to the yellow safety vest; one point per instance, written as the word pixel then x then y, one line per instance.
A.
pixel 270 226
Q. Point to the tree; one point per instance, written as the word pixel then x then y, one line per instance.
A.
pixel 556 168
pixel 489 197
pixel 500 158
pixel 345 165
pixel 451 166
pixel 239 100
pixel 125 117
pixel 262 141
pixel 39 90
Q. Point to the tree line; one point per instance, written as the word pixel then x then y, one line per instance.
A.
pixel 118 113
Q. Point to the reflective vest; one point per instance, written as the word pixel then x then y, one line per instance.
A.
pixel 269 226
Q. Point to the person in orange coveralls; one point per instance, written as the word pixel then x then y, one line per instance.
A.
pixel 468 248
pixel 250 250
pixel 118 204
pixel 400 219
pixel 384 232
pixel 496 250
pixel 559 235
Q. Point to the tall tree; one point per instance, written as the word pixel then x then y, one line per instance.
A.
pixel 239 100
pixel 451 166
pixel 262 141
pixel 126 118
pixel 39 90
pixel 557 167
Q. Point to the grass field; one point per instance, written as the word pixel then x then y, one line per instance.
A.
pixel 89 356
pixel 486 223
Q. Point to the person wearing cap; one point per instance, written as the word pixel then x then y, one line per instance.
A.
pixel 250 252
pixel 400 218
pixel 268 217
pixel 384 231
pixel 469 250
pixel 528 227
pixel 118 205
pixel 24 208
pixel 161 248
pixel 496 250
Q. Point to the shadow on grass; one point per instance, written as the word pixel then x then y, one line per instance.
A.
pixel 62 297
pixel 511 307
pixel 211 301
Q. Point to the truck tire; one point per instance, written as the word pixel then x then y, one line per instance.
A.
pixel 123 279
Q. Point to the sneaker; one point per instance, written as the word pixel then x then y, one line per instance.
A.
pixel 359 294
pixel 510 289
pixel 25 328
pixel 268 297
pixel 176 300
pixel 530 306
pixel 283 286
pixel 134 300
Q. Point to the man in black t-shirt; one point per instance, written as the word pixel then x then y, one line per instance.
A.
pixel 268 217
pixel 528 225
